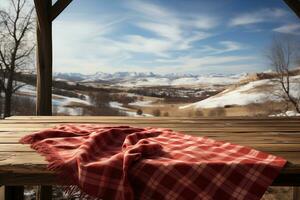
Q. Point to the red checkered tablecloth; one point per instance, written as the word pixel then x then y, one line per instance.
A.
pixel 148 163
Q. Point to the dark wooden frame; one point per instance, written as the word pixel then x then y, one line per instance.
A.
pixel 294 5
pixel 46 13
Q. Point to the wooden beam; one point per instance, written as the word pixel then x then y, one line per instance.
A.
pixel 44 57
pixel 294 5
pixel 44 192
pixel 58 7
pixel 13 192
pixel 296 193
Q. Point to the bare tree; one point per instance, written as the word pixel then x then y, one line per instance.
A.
pixel 284 54
pixel 16 46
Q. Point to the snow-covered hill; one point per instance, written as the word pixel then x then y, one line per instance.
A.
pixel 63 104
pixel 253 92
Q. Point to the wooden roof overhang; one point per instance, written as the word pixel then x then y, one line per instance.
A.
pixel 294 5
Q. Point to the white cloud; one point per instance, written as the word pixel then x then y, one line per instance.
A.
pixel 289 29
pixel 149 10
pixel 206 64
pixel 93 41
pixel 140 44
pixel 169 42
pixel 259 16
pixel 202 22
pixel 225 47
pixel 172 31
pixel 167 31
pixel 82 45
pixel 192 63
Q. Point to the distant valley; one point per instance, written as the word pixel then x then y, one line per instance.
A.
pixel 149 94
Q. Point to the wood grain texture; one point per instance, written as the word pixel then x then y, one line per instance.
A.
pixel 58 7
pixel 19 164
pixel 295 6
pixel 44 57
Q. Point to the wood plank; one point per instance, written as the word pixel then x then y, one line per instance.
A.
pixel 14 192
pixel 44 192
pixel 28 179
pixel 277 136
pixel 34 127
pixel 44 57
pixel 149 123
pixel 296 193
pixel 295 6
pixel 58 7
pixel 250 135
pixel 137 118
pixel 24 174
pixel 29 162
pixel 157 120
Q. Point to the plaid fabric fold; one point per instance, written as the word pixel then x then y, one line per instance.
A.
pixel 128 163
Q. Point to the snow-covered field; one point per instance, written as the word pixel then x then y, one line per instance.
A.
pixel 253 92
pixel 141 103
pixel 288 113
pixel 202 80
pixel 62 104
pixel 119 106
pixel 184 81
pixel 236 92
pixel 135 79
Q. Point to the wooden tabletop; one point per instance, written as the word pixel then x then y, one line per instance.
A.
pixel 20 165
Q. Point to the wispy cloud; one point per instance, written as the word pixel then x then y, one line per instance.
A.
pixel 167 31
pixel 149 10
pixel 193 64
pixel 172 31
pixel 223 47
pixel 140 44
pixel 289 29
pixel 157 36
pixel 263 15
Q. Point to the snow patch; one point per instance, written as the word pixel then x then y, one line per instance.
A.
pixel 289 113
pixel 248 93
pixel 117 105
pixel 141 103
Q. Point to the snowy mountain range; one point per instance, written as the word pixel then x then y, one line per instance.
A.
pixel 113 76
pixel 150 78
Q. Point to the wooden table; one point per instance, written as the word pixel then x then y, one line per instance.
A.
pixel 20 165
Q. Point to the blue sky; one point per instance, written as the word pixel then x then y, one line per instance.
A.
pixel 169 36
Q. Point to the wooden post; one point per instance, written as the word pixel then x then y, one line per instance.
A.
pixel 296 193
pixel 46 13
pixel 294 5
pixel 44 57
pixel 12 193
pixel 44 193
pixel 2 192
